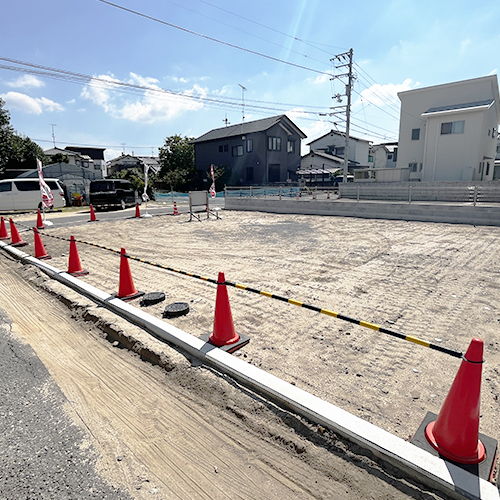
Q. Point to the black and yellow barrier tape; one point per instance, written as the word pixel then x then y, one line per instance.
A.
pixel 327 312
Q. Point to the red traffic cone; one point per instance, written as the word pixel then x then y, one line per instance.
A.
pixel 328 195
pixel 175 209
pixel 137 211
pixel 4 235
pixel 223 333
pixel 75 266
pixel 93 218
pixel 455 433
pixel 39 221
pixel 16 239
pixel 40 252
pixel 126 288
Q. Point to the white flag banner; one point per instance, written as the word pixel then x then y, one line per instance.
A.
pixel 45 191
pixel 145 196
pixel 213 194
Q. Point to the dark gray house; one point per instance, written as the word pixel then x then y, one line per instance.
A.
pixel 254 153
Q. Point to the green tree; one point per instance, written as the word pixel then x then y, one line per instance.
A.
pixel 59 158
pixel 16 151
pixel 136 177
pixel 177 166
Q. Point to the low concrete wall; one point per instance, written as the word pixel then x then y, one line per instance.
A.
pixel 426 212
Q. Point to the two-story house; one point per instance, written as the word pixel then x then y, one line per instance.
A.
pixel 449 132
pixel 333 143
pixel 259 152
pixel 125 162
pixel 384 155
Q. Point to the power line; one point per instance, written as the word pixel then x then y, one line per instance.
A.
pixel 151 18
pixel 115 85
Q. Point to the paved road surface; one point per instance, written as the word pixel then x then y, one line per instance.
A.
pixel 41 449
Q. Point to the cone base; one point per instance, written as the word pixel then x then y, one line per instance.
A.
pixel 230 348
pixel 483 469
pixel 79 273
pixel 129 297
pixel 478 456
pixel 19 244
pixel 5 238
pixel 43 257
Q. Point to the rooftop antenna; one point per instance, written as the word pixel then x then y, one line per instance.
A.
pixel 53 134
pixel 242 101
pixel 226 121
pixel 123 144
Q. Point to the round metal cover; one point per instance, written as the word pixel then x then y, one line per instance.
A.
pixel 152 298
pixel 176 309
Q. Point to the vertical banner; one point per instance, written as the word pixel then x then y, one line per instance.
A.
pixel 45 191
pixel 145 196
pixel 213 194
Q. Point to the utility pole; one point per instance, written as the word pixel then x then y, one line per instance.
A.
pixel 53 134
pixel 341 63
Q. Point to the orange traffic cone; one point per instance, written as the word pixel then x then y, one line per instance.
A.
pixel 75 266
pixel 175 209
pixel 126 288
pixel 40 252
pixel 137 211
pixel 16 239
pixel 455 433
pixel 4 235
pixel 223 333
pixel 39 221
pixel 93 218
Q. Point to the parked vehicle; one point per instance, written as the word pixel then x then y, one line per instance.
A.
pixel 24 194
pixel 112 193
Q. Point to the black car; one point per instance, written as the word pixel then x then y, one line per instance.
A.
pixel 112 193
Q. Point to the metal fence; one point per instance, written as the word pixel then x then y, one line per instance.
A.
pixel 421 192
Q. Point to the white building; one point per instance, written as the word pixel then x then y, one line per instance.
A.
pixel 384 155
pixel 449 132
pixel 333 143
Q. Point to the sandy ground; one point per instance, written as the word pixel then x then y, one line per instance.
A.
pixel 438 282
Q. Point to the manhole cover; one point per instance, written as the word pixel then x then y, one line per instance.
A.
pixel 176 309
pixel 152 298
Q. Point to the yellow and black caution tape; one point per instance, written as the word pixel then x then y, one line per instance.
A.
pixel 343 317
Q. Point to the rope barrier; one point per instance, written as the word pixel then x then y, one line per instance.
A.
pixel 327 312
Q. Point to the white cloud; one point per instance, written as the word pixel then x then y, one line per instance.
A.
pixel 383 95
pixel 152 106
pixel 319 80
pixel 31 105
pixel 26 81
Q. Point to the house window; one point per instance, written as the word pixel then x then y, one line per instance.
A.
pixel 488 168
pixel 290 147
pixel 237 150
pixel 413 167
pixel 453 127
pixel 339 151
pixel 415 134
pixel 249 145
pixel 249 173
pixel 389 157
pixel 370 158
pixel 498 149
pixel 221 149
pixel 274 143
pixel 226 148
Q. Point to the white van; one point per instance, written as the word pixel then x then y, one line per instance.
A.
pixel 24 194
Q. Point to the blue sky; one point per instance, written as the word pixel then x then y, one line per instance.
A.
pixel 119 64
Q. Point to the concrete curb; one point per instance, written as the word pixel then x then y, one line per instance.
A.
pixel 417 463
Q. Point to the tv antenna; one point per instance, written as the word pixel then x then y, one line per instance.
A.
pixel 53 134
pixel 242 101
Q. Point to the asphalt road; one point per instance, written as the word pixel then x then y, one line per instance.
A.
pixel 41 452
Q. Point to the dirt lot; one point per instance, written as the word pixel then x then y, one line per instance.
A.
pixel 438 282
